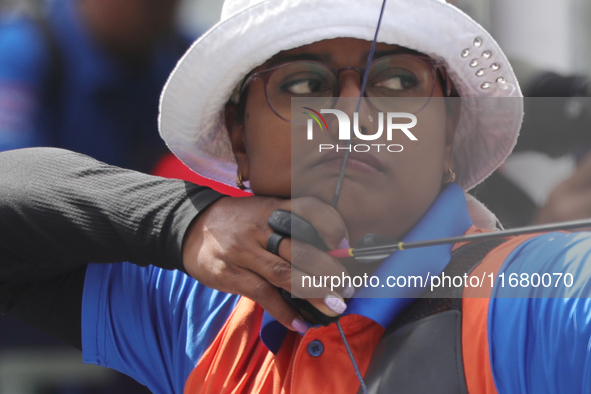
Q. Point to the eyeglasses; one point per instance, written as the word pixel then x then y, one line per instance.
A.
pixel 407 76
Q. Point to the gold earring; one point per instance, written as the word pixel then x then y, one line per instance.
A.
pixel 239 183
pixel 452 176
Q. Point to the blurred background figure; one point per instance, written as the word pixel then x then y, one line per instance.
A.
pixel 547 178
pixel 86 75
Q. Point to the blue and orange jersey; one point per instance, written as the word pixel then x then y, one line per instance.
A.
pixel 173 334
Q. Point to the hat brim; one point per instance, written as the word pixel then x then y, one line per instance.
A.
pixel 193 100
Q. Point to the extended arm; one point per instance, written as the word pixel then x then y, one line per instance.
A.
pixel 61 210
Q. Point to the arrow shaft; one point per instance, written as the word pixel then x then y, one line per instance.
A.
pixel 383 251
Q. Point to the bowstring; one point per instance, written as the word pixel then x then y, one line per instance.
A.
pixel 339 186
pixel 357 371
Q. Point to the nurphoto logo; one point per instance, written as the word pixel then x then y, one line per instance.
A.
pixel 345 129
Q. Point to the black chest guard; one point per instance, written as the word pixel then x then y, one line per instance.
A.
pixel 422 351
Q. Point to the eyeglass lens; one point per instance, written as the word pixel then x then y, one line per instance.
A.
pixel 394 76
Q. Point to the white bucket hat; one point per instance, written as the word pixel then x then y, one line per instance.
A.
pixel 252 31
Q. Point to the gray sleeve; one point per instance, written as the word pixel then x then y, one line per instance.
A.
pixel 60 210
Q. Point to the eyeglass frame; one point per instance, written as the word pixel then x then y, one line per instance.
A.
pixel 437 69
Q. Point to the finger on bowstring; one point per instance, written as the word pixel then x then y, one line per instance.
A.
pixel 310 261
pixel 324 218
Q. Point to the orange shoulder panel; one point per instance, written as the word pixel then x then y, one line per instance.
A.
pixel 475 303
pixel 237 361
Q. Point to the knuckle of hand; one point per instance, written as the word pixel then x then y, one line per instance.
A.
pixel 270 204
pixel 261 291
pixel 309 204
pixel 319 209
pixel 233 248
pixel 230 272
pixel 281 272
pixel 302 254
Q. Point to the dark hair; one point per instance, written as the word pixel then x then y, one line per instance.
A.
pixel 240 113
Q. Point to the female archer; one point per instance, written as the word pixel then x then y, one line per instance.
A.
pixel 227 113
